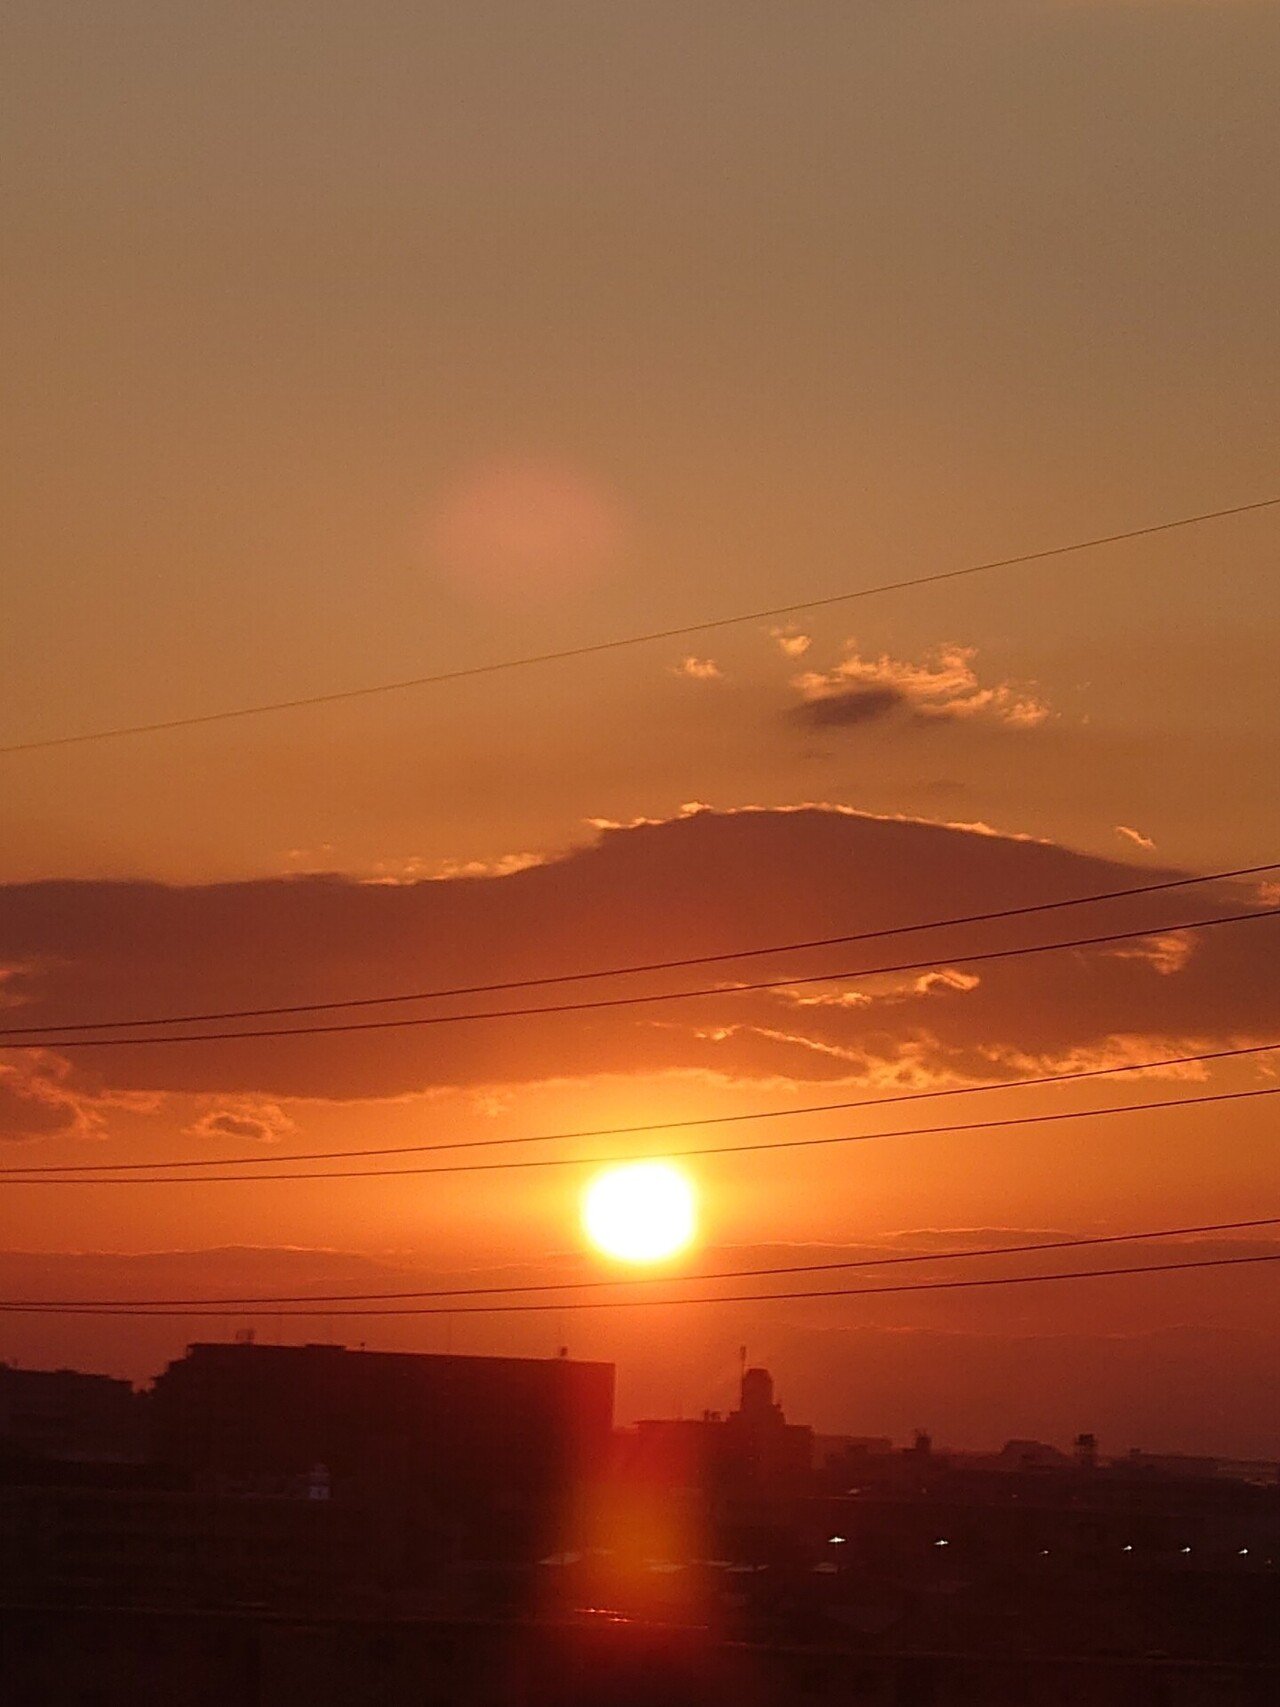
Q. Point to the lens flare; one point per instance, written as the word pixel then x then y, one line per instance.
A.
pixel 526 528
pixel 640 1211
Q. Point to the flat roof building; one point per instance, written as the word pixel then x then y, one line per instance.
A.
pixel 464 1427
pixel 64 1415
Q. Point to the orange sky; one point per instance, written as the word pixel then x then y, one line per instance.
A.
pixel 348 345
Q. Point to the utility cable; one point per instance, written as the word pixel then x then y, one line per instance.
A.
pixel 843 975
pixel 567 653
pixel 511 1163
pixel 964 1254
pixel 76 1026
pixel 650 1126
pixel 950 1285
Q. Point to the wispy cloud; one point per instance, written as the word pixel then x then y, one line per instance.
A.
pixel 791 643
pixel 943 684
pixel 1134 836
pixel 413 869
pixel 249 1120
pixel 36 1103
pixel 698 669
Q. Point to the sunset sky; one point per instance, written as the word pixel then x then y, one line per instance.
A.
pixel 349 344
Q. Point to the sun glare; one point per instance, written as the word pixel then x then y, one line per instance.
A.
pixel 640 1211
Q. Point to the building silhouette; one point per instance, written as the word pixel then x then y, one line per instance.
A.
pixel 64 1415
pixel 312 1524
pixel 482 1430
pixel 752 1448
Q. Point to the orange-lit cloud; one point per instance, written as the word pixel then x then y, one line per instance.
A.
pixel 1134 836
pixel 35 1102
pixel 944 684
pixel 791 642
pixel 253 1121
pixel 701 883
pixel 699 669
pixel 415 870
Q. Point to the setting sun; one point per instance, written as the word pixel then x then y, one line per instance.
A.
pixel 640 1211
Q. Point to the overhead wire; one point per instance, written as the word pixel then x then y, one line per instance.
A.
pixel 286 1305
pixel 842 975
pixel 16 1307
pixel 995 914
pixel 968 1253
pixel 653 1126
pixel 510 1164
pixel 597 648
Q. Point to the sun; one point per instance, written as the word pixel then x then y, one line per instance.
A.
pixel 640 1211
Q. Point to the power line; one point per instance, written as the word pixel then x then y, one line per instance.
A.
pixel 44 1041
pixel 77 1026
pixel 965 1254
pixel 651 1126
pixel 512 1163
pixel 953 1285
pixel 596 648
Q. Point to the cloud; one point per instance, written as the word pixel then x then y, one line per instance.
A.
pixel 944 684
pixel 13 986
pixel 1135 836
pixel 846 710
pixel 412 869
pixel 791 643
pixel 698 669
pixel 310 859
pixel 254 1122
pixel 704 882
pixel 34 1103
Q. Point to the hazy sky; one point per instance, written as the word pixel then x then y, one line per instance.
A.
pixel 350 343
